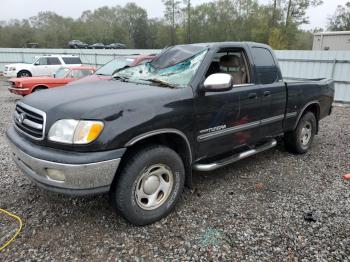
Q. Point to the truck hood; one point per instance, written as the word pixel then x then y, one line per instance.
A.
pixel 98 101
pixel 91 78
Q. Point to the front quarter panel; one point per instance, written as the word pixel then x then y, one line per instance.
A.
pixel 123 122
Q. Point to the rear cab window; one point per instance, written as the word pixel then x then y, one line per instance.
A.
pixel 266 67
pixel 71 60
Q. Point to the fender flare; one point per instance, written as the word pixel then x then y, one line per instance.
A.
pixel 188 166
pixel 39 85
pixel 162 131
pixel 314 102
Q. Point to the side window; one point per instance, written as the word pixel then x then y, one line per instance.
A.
pixel 43 61
pixel 231 62
pixel 53 61
pixel 265 65
pixel 72 60
pixel 86 72
pixel 80 73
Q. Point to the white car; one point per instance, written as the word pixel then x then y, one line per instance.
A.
pixel 42 66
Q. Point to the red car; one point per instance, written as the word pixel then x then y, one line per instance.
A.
pixel 106 71
pixel 65 75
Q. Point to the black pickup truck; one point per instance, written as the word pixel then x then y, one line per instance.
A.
pixel 140 135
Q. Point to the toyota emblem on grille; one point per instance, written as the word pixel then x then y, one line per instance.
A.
pixel 21 118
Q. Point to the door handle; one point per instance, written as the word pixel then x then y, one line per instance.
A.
pixel 252 96
pixel 267 93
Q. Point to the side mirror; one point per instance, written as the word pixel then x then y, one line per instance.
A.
pixel 218 82
pixel 37 63
pixel 53 75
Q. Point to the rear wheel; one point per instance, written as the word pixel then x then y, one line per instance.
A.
pixel 24 73
pixel 149 185
pixel 299 141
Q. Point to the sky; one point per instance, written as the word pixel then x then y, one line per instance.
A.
pixel 19 9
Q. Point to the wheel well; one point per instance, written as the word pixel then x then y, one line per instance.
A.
pixel 39 87
pixel 171 140
pixel 24 70
pixel 315 109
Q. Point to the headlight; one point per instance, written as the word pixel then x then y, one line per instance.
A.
pixel 12 69
pixel 71 131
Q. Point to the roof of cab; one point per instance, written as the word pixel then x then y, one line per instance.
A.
pixel 228 43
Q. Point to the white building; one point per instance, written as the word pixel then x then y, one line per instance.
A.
pixel 337 40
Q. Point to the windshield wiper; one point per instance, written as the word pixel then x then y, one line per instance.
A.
pixel 99 74
pixel 160 82
pixel 121 78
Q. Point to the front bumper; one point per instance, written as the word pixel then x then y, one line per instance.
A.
pixel 10 73
pixel 83 173
pixel 18 91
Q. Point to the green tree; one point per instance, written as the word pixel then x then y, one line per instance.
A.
pixel 276 22
pixel 295 11
pixel 340 21
pixel 101 25
pixel 135 21
pixel 188 10
pixel 50 29
pixel 171 14
pixel 277 39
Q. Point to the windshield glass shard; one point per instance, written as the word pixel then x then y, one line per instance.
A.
pixel 177 75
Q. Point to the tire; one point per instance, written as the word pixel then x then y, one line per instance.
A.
pixel 134 187
pixel 299 141
pixel 24 73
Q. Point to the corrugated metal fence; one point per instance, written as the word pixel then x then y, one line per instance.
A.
pixel 88 56
pixel 295 65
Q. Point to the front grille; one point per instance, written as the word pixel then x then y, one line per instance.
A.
pixel 30 121
pixel 6 68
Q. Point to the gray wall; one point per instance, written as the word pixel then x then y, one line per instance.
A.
pixel 294 64
pixel 331 42
pixel 318 64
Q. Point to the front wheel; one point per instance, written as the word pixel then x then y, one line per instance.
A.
pixel 299 141
pixel 149 185
pixel 24 73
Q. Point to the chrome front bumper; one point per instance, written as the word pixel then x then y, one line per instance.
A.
pixel 17 89
pixel 79 179
pixel 10 74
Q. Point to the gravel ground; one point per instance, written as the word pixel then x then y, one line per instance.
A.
pixel 252 210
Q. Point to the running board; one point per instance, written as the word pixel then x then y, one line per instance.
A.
pixel 235 158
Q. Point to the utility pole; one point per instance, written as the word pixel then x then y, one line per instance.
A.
pixel 189 21
pixel 288 13
pixel 173 23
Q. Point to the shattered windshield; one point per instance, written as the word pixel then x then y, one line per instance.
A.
pixel 175 67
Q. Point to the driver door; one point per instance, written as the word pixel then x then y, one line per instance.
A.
pixel 41 67
pixel 227 120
